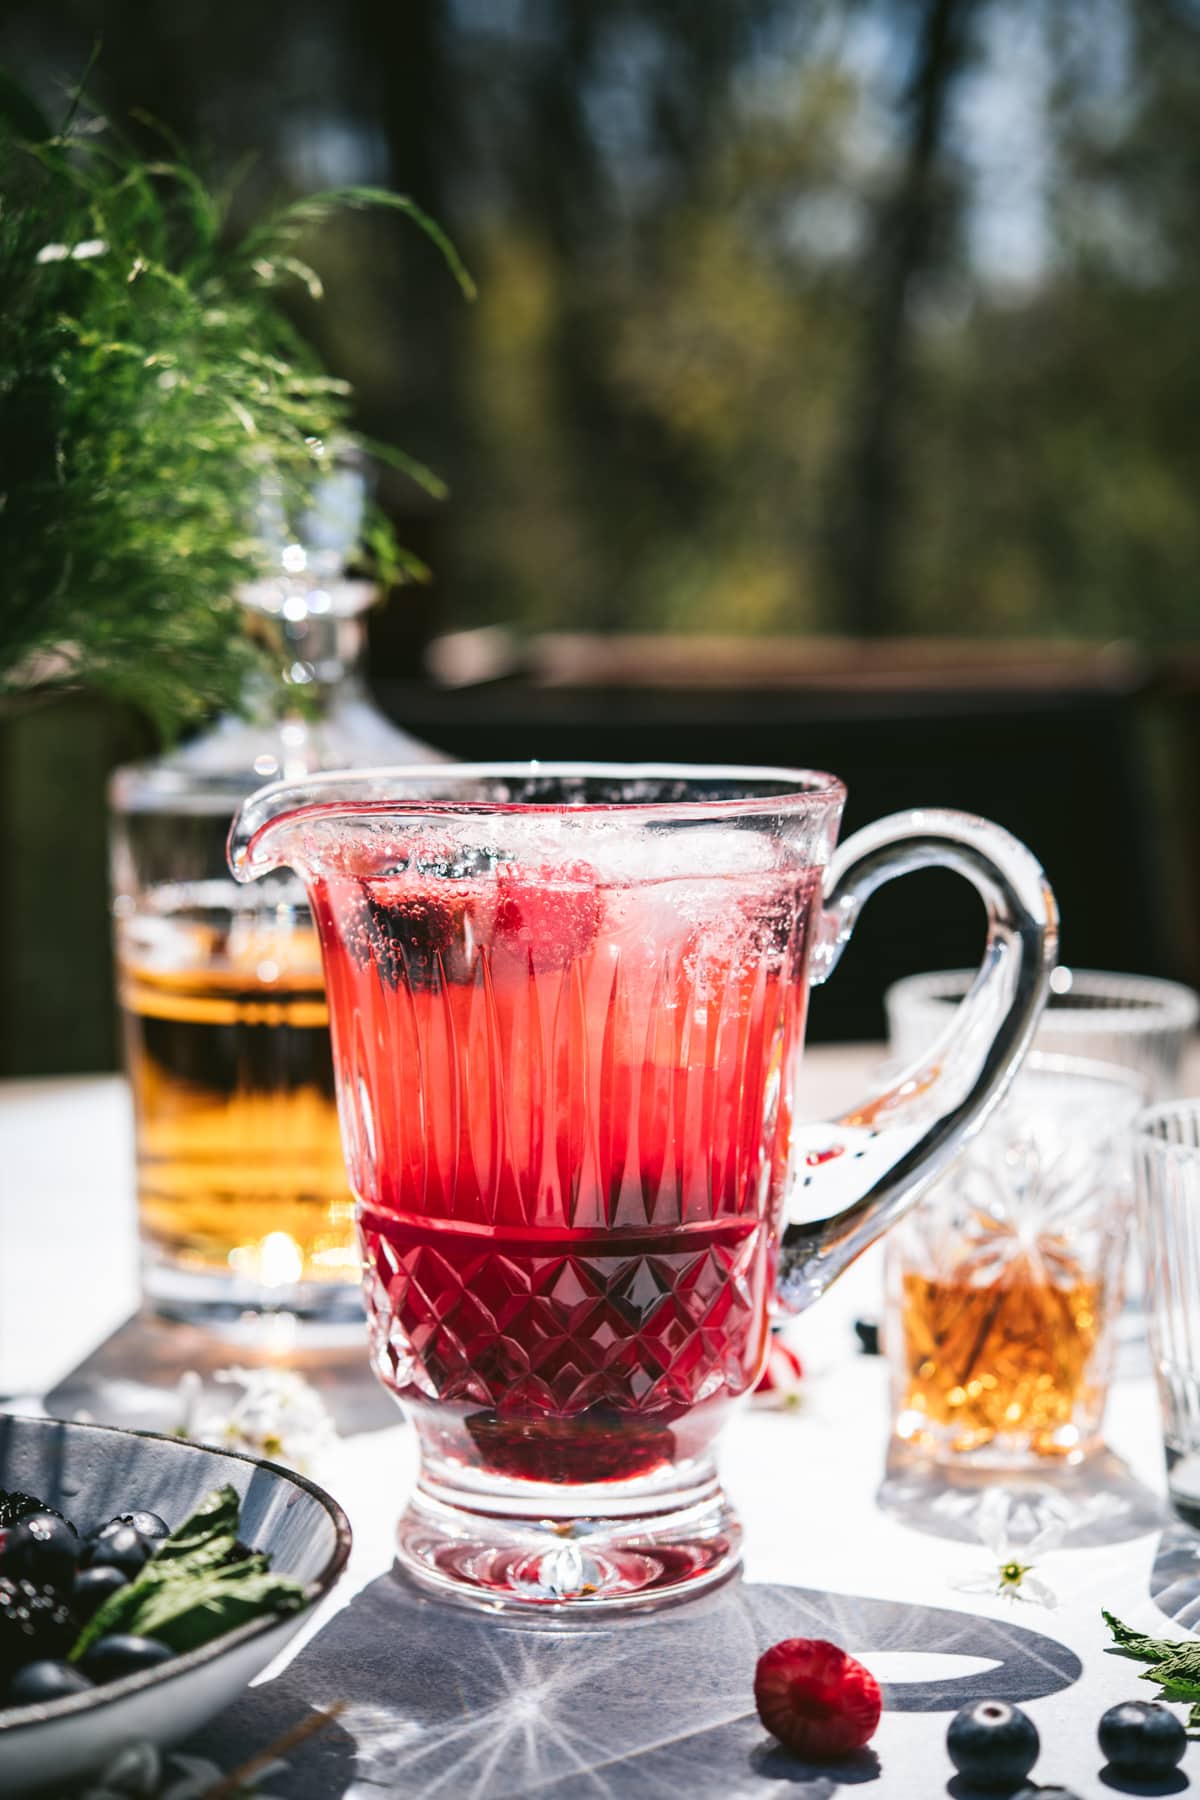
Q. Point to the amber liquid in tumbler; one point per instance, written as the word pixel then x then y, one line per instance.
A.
pixel 239 1157
pixel 1011 1358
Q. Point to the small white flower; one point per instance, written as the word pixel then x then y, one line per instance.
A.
pixel 1012 1572
pixel 278 1415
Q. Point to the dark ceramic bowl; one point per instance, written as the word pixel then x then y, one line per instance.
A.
pixel 91 1472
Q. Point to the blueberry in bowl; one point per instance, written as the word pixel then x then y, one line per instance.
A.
pixel 36 1682
pixel 92 1587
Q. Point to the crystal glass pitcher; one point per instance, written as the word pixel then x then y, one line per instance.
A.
pixel 567 1007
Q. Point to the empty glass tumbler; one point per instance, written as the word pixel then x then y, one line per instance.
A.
pixel 1137 1021
pixel 1167 1167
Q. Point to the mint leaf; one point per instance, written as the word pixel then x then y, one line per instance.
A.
pixel 1144 1649
pixel 214 1523
pixel 1175 1664
pixel 186 1614
pixel 1179 1668
pixel 1180 1693
pixel 192 1589
pixel 206 1539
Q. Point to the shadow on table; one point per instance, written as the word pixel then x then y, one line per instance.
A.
pixel 442 1701
pixel 1160 1785
pixel 1175 1576
pixel 1174 1783
pixel 131 1379
pixel 1104 1499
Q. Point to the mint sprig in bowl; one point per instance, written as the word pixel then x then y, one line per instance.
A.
pixel 254 1548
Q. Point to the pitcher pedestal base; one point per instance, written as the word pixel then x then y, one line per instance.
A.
pixel 531 1548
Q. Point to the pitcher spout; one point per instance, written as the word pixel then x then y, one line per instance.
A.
pixel 261 837
pixel 271 828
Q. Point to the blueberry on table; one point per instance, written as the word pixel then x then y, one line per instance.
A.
pixel 38 1682
pixel 992 1743
pixel 119 1547
pixel 1140 1737
pixel 122 1654
pixel 43 1549
pixel 93 1587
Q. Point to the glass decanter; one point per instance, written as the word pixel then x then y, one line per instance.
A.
pixel 243 1203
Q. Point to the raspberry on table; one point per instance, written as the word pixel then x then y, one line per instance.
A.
pixel 815 1699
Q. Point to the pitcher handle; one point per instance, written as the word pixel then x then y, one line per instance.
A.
pixel 865 1170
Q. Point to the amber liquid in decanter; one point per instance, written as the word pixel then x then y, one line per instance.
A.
pixel 239 1154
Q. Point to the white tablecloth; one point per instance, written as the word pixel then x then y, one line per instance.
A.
pixel 449 1703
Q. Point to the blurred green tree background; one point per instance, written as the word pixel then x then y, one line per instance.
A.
pixel 854 316
pixel 850 318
